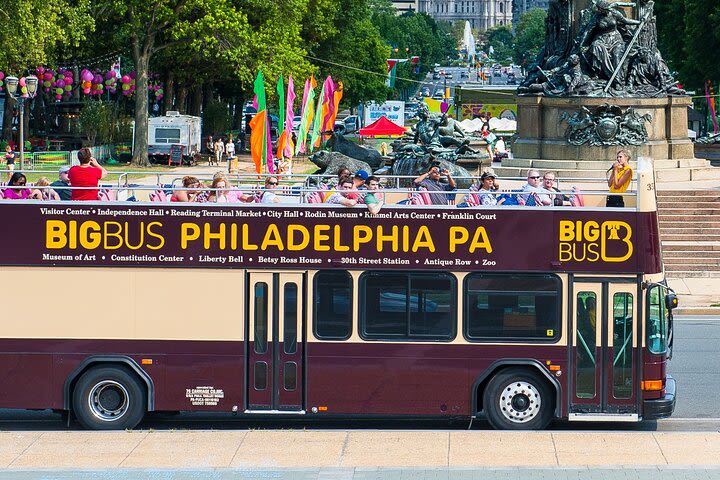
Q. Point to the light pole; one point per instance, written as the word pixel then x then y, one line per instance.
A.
pixel 26 91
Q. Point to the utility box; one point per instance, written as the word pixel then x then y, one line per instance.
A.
pixel 173 129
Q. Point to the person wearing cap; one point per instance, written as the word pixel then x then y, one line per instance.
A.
pixel 486 193
pixel 62 184
pixel 359 179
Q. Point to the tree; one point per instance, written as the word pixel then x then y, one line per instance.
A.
pixel 530 34
pixel 500 37
pixel 356 54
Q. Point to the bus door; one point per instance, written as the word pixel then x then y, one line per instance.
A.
pixel 274 343
pixel 603 352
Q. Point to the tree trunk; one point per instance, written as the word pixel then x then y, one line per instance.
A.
pixel 169 92
pixel 238 112
pixel 7 118
pixel 196 101
pixel 182 93
pixel 141 55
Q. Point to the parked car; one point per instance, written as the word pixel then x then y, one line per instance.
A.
pixel 349 124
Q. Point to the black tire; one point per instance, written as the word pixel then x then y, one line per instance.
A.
pixel 109 398
pixel 518 399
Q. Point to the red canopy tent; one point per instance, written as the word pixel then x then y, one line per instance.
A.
pixel 382 127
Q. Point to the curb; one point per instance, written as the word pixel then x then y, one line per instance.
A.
pixel 697 311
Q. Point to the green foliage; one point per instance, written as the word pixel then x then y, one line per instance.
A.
pixel 216 118
pixel 689 39
pixel 500 37
pixel 103 123
pixel 357 44
pixel 529 35
pixel 31 30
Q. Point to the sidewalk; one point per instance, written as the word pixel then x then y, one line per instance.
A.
pixel 356 449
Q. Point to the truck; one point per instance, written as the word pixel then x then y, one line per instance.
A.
pixel 170 130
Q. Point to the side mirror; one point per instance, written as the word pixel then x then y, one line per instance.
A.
pixel 671 301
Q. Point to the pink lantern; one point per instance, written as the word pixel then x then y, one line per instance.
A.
pixel 58 97
pixel 47 76
pixel 86 91
pixel 22 82
pixel 2 75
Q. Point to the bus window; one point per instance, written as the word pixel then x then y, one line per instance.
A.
pixel 622 345
pixel 290 318
pixel 408 306
pixel 657 328
pixel 261 317
pixel 585 345
pixel 332 312
pixel 509 307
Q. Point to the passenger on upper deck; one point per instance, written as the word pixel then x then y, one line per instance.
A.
pixel 268 195
pixel 219 191
pixel 535 195
pixel 344 195
pixel 44 192
pixel 62 183
pixel 20 193
pixel 359 179
pixel 431 181
pixel 374 199
pixel 487 188
pixel 619 179
pixel 231 195
pixel 549 185
pixel 189 192
pixel 87 174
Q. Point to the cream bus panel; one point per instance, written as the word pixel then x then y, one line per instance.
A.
pixel 149 304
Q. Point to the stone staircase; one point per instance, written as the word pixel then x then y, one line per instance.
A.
pixel 690 232
pixel 665 170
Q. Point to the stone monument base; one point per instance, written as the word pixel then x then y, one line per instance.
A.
pixel 543 129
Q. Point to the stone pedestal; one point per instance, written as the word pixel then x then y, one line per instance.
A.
pixel 542 144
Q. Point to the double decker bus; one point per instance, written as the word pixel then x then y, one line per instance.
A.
pixel 521 315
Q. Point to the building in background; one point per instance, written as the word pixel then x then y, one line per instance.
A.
pixel 522 6
pixel 405 6
pixel 482 14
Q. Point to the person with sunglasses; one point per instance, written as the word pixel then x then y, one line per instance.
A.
pixel 267 194
pixel 16 189
pixel 533 193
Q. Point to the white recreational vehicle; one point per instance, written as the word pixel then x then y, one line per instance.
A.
pixel 173 129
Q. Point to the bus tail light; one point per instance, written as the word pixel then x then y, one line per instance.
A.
pixel 146 361
pixel 651 385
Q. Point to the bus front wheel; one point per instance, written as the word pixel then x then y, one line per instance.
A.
pixel 517 399
pixel 109 398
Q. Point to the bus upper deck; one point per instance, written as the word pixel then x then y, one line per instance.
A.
pixel 316 309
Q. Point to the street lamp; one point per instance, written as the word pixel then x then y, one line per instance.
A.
pixel 30 87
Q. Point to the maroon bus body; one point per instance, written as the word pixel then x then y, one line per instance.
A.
pixel 374 378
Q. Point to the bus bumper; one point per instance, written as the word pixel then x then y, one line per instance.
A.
pixel 662 407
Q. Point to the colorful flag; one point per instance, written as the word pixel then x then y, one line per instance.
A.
pixel 392 72
pixel 258 136
pixel 328 109
pixel 306 115
pixel 712 113
pixel 281 102
pixel 317 125
pixel 285 144
pixel 337 96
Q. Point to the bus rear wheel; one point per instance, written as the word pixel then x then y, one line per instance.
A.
pixel 517 399
pixel 109 398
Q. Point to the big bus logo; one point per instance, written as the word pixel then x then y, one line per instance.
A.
pixel 591 241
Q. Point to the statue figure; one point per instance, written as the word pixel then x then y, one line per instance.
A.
pixel 650 75
pixel 604 41
pixel 580 126
pixel 611 55
pixel 558 40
